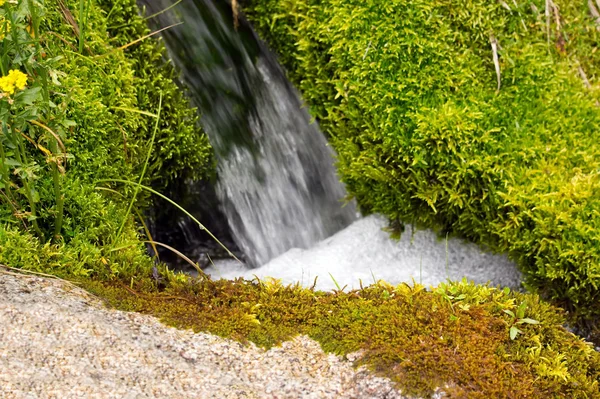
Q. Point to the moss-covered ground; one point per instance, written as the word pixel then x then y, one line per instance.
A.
pixel 476 118
pixel 455 336
pixel 97 91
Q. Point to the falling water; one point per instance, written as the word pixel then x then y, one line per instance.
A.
pixel 277 184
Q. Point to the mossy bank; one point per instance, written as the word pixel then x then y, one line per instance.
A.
pixel 475 118
pixel 101 97
pixel 101 104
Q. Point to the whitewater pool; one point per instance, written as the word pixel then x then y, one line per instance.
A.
pixel 364 252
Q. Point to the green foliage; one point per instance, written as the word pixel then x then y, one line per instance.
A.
pixel 28 121
pixel 183 151
pixel 455 337
pixel 84 116
pixel 99 102
pixel 408 93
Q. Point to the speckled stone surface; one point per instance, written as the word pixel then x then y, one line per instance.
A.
pixel 57 341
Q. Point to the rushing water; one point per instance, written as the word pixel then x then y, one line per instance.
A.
pixel 277 184
pixel 364 253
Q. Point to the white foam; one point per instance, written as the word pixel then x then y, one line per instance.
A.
pixel 364 252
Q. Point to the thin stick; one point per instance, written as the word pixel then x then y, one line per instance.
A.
pixel 235 10
pixel 503 4
pixel 163 11
pixel 139 217
pixel 367 50
pixel 124 141
pixel 110 28
pixel 174 204
pixel 123 47
pixel 182 256
pixel 148 234
pixel 46 128
pixel 520 16
pixel 594 12
pixel 16 211
pixel 23 272
pixel 494 44
pixel 82 25
pixel 69 17
pixel 138 111
pixel 139 40
pixel 584 77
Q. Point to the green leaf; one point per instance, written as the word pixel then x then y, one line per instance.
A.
pixel 68 123
pixel 28 96
pixel 513 332
pixel 521 310
pixel 508 312
pixel 528 321
pixel 35 195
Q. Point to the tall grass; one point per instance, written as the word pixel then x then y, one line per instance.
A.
pixel 149 189
pixel 142 175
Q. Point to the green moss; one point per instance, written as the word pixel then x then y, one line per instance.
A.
pixel 183 151
pixel 455 336
pixel 408 94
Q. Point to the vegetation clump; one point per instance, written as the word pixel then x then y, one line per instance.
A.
pixel 82 85
pixel 478 118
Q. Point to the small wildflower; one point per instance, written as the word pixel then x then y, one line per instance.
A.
pixel 5 27
pixel 14 80
pixel 2 2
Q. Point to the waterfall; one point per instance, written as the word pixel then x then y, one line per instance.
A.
pixel 276 182
pixel 277 185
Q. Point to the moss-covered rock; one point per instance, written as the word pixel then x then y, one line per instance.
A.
pixel 456 336
pixel 431 128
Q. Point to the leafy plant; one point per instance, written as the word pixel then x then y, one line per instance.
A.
pixel 518 318
pixel 29 119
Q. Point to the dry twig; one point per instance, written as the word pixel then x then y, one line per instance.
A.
pixel 494 44
pixel 236 12
pixel 594 12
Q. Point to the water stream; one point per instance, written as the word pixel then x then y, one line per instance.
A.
pixel 277 185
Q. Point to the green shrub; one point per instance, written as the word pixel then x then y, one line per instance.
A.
pixel 96 95
pixel 183 151
pixel 408 93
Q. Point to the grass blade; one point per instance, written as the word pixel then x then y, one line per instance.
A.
pixel 174 204
pixel 176 252
pixel 136 190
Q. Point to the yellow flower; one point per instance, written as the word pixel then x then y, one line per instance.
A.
pixel 2 2
pixel 14 80
pixel 5 27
